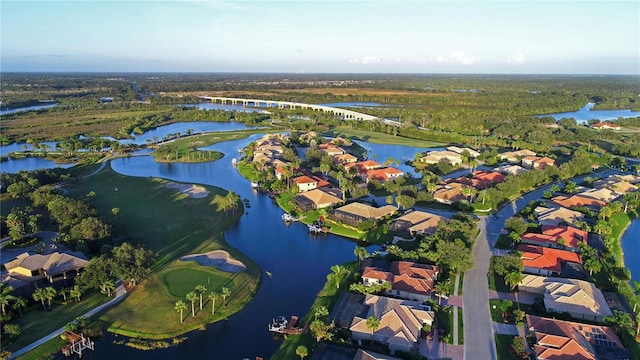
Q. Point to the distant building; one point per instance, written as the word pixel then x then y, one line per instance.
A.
pixel 516 156
pixel 605 126
pixel 510 169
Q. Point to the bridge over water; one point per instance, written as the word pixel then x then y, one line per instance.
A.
pixel 346 114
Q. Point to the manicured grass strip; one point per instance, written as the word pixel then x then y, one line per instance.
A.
pixel 461 284
pixel 378 138
pixel 445 321
pixel 460 327
pixel 180 281
pixel 503 344
pixel 46 350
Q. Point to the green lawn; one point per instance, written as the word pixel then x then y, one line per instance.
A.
pixel 37 323
pixel 248 172
pixel 503 344
pixel 460 327
pixel 45 350
pixel 496 282
pixel 173 225
pixel 378 138
pixel 445 321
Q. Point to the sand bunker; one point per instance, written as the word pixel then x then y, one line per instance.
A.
pixel 195 191
pixel 217 258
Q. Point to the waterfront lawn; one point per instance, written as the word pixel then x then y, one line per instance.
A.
pixel 248 172
pixel 503 346
pixel 173 225
pixel 378 138
pixel 37 323
pixel 45 351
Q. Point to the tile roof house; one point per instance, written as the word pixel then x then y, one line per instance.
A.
pixel 409 280
pixel 315 199
pixel 363 166
pixel 578 200
pixel 510 169
pixel 434 157
pixel 449 193
pixel 345 159
pixel 557 215
pixel 581 299
pixel 620 187
pixel 331 149
pixel 355 213
pixel 416 223
pixel 552 234
pixel 605 126
pixel 383 174
pixel 536 162
pixel 515 156
pixel 567 340
pixel 551 262
pixel 605 195
pixel 458 150
pixel 305 183
pixel 400 322
pixel 27 268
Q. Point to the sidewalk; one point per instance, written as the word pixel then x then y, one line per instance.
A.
pixel 120 294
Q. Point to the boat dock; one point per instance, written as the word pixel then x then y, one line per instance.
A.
pixel 286 217
pixel 282 326
pixel 317 229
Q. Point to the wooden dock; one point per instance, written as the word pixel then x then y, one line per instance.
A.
pixel 78 343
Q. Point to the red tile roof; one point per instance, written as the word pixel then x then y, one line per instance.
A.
pixel 489 176
pixel 383 174
pixel 551 234
pixel 304 180
pixel 539 257
pixel 406 276
pixel 577 200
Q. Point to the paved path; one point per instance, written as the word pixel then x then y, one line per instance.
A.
pixel 435 349
pixel 455 311
pixel 507 329
pixel 120 294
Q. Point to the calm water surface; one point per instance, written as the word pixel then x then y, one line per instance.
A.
pixel 631 247
pixel 26 108
pixel 585 114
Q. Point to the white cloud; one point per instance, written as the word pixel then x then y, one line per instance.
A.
pixel 517 58
pixel 366 60
pixel 457 57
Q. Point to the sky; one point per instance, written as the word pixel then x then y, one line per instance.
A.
pixel 349 36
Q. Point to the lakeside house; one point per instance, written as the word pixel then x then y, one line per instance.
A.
pixel 344 159
pixel 472 153
pixel 331 149
pixel 449 193
pixel 579 298
pixel 401 322
pixel 616 185
pixel 434 157
pixel 383 174
pixel 415 222
pixel 516 156
pixel 558 339
pixel 315 199
pixel 550 262
pixel 307 137
pixel 355 213
pixel 309 182
pixel 481 179
pixel 28 269
pixel 557 215
pixel 559 237
pixel 409 280
pixel 602 194
pixel 605 126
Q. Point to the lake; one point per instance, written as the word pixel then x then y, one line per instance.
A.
pixel 585 114
pixel 27 108
pixel 29 164
pixel 631 248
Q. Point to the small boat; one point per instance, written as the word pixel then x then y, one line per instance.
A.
pixel 278 324
pixel 254 185
pixel 315 228
pixel 234 162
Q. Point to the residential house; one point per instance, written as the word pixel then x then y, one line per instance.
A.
pixel 400 322
pixel 345 159
pixel 580 299
pixel 331 149
pixel 536 162
pixel 515 156
pixel 355 213
pixel 472 153
pixel 409 280
pixel 363 166
pixel 633 179
pixel 620 187
pixel 578 201
pixel 370 355
pixel 308 136
pixel 605 126
pixel 434 157
pixel 551 237
pixel 605 195
pixel 567 340
pixel 557 215
pixel 449 193
pixel 305 183
pixel 416 222
pixel 510 169
pixel 315 199
pixel 28 268
pixel 383 174
pixel 551 262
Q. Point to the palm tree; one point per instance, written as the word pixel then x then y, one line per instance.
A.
pixel 442 289
pixel 107 286
pixel 225 292
pixel 201 289
pixel 592 265
pixel 373 323
pixel 513 278
pixel 620 321
pixel 51 293
pixel 213 296
pixel 360 252
pixel 302 351
pixel 5 296
pixel 75 292
pixel 192 296
pixel 570 187
pixel 322 311
pixel 64 292
pixel 484 195
pixel 19 303
pixel 180 307
pixel 338 273
pixel 40 295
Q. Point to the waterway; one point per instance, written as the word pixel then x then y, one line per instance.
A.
pixel 631 248
pixel 585 114
pixel 27 108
